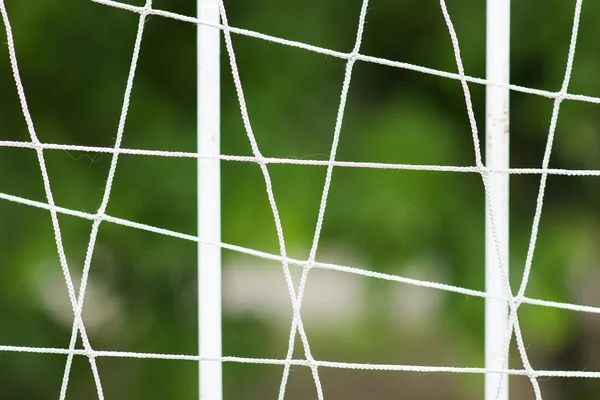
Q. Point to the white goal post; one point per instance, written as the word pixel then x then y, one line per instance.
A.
pixel 497 157
pixel 501 304
pixel 209 201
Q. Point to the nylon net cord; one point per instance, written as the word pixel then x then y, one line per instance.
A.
pixel 514 301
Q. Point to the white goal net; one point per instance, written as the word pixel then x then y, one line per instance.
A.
pixel 503 303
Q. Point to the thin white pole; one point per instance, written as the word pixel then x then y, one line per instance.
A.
pixel 497 156
pixel 209 202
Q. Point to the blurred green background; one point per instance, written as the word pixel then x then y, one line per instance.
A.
pixel 74 57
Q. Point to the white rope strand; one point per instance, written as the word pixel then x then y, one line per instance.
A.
pixel 325 193
pixel 106 196
pixel 297 362
pixel 548 150
pixel 300 263
pixel 477 146
pixel 303 161
pixel 346 56
pixel 513 322
pixel 50 198
pixel 271 197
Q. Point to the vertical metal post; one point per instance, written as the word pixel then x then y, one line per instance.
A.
pixel 497 156
pixel 209 201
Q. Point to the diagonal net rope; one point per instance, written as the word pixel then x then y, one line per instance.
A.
pixel 484 177
pixel 325 193
pixel 514 301
pixel 100 215
pixel 269 188
pixel 78 322
pixel 514 305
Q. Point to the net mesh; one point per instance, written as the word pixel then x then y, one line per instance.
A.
pixel 77 297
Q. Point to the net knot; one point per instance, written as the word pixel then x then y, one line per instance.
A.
pixel 516 301
pixel 99 216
